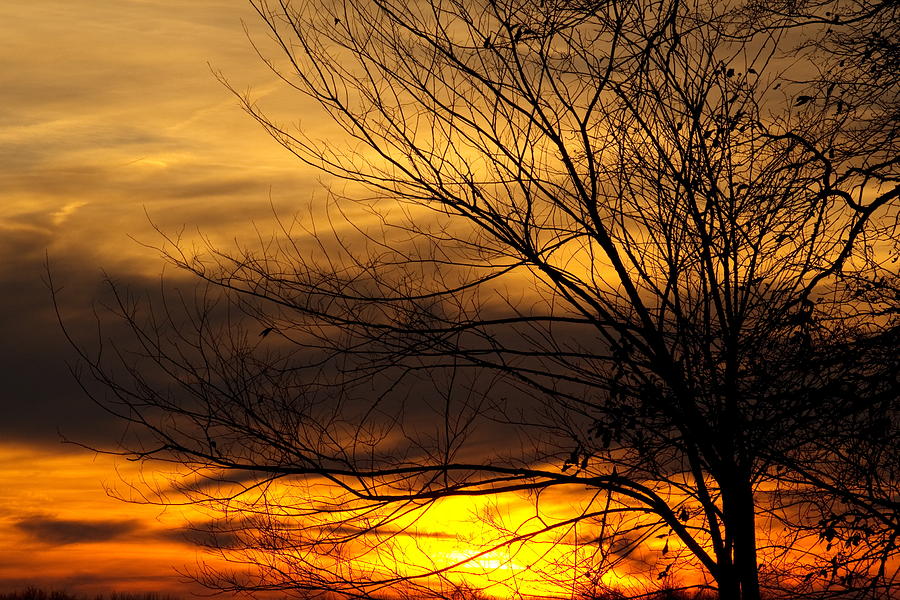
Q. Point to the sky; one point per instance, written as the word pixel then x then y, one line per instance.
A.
pixel 114 129
pixel 111 123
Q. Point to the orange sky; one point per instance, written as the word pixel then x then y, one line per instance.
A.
pixel 108 113
pixel 61 529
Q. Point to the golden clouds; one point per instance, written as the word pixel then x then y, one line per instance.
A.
pixel 111 108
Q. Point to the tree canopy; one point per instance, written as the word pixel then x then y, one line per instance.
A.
pixel 639 251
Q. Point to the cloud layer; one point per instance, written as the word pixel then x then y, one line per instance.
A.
pixel 111 118
pixel 50 530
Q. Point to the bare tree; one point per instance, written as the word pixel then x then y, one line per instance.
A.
pixel 629 238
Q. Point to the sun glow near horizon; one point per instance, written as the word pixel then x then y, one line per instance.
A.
pixel 63 528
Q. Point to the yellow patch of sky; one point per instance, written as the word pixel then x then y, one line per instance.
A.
pixel 57 487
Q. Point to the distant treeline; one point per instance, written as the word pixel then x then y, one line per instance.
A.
pixel 660 595
pixel 33 593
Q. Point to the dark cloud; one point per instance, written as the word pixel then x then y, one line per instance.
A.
pixel 41 398
pixel 383 532
pixel 108 111
pixel 227 534
pixel 217 481
pixel 59 532
pixel 203 536
pixel 39 395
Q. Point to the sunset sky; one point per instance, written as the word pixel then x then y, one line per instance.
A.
pixel 110 118
pixel 122 128
pixel 114 123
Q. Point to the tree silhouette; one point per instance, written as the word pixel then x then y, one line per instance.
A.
pixel 643 243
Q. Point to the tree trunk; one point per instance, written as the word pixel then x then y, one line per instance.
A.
pixel 740 522
pixel 746 568
pixel 729 586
